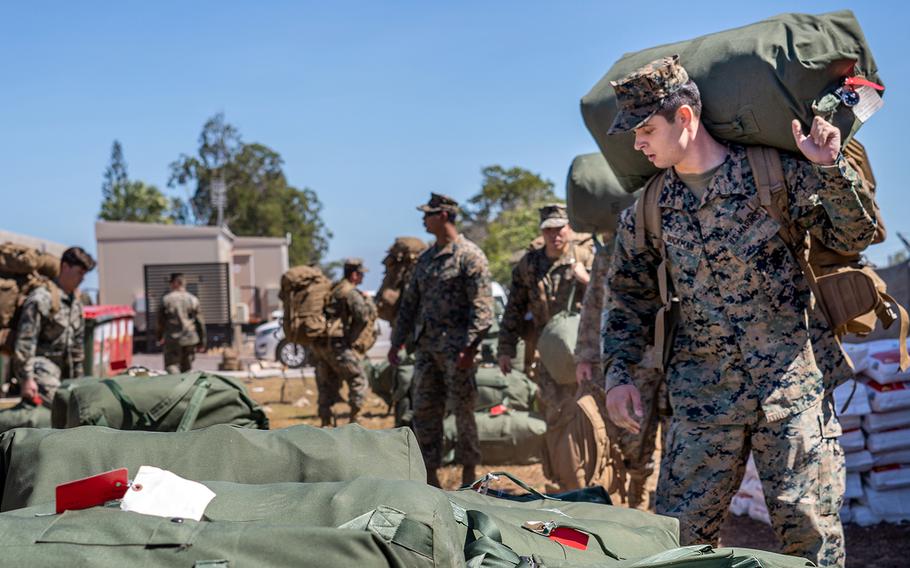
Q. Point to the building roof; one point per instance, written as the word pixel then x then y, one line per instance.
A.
pixel 257 242
pixel 128 230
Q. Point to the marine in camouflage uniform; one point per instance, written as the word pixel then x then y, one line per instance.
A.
pixel 635 451
pixel 544 287
pixel 340 358
pixel 181 327
pixel 50 337
pixel 446 310
pixel 743 376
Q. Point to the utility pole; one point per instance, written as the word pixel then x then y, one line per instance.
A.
pixel 219 197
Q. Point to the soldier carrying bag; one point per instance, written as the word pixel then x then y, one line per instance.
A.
pixel 399 265
pixel 305 293
pixel 849 295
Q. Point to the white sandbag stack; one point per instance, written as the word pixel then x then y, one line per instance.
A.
pixel 884 463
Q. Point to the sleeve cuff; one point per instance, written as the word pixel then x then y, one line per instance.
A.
pixel 618 374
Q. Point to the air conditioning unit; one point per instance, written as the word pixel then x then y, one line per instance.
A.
pixel 241 313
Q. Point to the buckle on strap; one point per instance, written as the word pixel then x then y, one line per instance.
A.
pixel 540 527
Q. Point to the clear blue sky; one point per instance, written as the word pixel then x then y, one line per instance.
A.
pixel 371 104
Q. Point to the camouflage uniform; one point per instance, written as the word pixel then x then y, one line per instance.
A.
pixel 51 329
pixel 544 287
pixel 635 450
pixel 743 375
pixel 339 360
pixel 446 308
pixel 181 326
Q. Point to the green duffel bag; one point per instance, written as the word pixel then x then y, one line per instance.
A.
pixel 167 403
pixel 594 197
pixel 515 390
pixel 412 519
pixel 25 415
pixel 613 533
pixel 511 438
pixel 556 346
pixel 753 80
pixel 33 462
pixel 393 385
pixel 705 556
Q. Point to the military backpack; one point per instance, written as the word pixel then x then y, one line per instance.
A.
pixel 305 294
pixel 399 264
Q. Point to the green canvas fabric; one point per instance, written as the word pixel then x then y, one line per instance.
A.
pixel 414 519
pixel 25 416
pixel 753 81
pixel 512 438
pixel 702 556
pixel 594 197
pixel 157 403
pixel 515 390
pixel 556 346
pixel 616 533
pixel 33 462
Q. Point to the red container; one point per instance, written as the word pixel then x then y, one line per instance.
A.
pixel 108 339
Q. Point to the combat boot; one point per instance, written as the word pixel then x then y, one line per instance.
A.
pixel 468 475
pixel 328 420
pixel 355 418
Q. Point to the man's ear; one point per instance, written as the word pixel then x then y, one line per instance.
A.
pixel 685 116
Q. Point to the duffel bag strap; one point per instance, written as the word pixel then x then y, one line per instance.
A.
pixel 484 547
pixel 482 485
pixel 167 403
pixel 545 528
pixel 200 390
pixel 126 401
pixel 904 322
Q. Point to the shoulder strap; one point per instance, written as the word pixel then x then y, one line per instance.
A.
pixel 647 214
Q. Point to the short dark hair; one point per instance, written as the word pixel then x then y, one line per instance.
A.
pixel 451 216
pixel 76 256
pixel 350 269
pixel 177 277
pixel 687 94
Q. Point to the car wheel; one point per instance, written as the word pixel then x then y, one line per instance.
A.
pixel 290 354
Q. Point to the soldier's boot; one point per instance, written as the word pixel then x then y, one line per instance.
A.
pixel 638 494
pixel 468 475
pixel 328 419
pixel 433 478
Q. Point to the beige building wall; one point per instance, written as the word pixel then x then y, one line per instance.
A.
pixel 124 248
pixel 258 265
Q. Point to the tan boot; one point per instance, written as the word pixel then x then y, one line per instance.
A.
pixel 327 421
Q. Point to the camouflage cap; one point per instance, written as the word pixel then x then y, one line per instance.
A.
pixel 355 264
pixel 553 215
pixel 45 372
pixel 439 202
pixel 639 93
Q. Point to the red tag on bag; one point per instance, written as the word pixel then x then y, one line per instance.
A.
pixel 570 537
pixel 498 409
pixel 92 491
pixel 860 81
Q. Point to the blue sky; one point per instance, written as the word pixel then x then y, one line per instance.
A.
pixel 371 104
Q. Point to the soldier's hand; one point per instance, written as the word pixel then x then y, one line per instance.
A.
pixel 618 401
pixel 583 372
pixel 393 358
pixel 581 273
pixel 505 364
pixel 822 145
pixel 29 389
pixel 465 359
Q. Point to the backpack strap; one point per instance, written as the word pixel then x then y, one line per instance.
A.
pixel 648 227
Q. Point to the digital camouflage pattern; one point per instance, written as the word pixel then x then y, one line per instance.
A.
pixel 439 202
pixel 743 345
pixel 743 356
pixel 801 465
pixel 436 380
pixel 448 304
pixel 639 93
pixel 635 450
pixel 553 215
pixel 446 308
pixel 339 359
pixel 182 327
pixel 57 336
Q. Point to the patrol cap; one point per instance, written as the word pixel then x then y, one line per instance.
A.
pixel 553 215
pixel 638 94
pixel 439 202
pixel 354 263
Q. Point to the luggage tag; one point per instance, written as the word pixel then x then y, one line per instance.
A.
pixel 566 536
pixel 499 410
pixel 861 95
pixel 161 493
pixel 92 491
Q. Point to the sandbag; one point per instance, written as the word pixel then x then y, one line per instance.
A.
pixel 753 81
pixel 304 295
pixel 511 438
pixel 33 462
pixel 556 346
pixel 594 197
pixel 169 403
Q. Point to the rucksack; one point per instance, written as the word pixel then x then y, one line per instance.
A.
pixel 14 290
pixel 18 259
pixel 399 264
pixel 305 294
pixel 753 81
pixel 577 445
pixel 367 337
pixel 849 295
pixel 594 197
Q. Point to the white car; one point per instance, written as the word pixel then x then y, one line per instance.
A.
pixel 270 343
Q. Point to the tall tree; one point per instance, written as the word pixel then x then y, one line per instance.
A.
pixel 502 216
pixel 259 199
pixel 125 200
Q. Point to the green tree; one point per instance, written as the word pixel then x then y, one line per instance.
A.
pixel 259 200
pixel 502 216
pixel 125 200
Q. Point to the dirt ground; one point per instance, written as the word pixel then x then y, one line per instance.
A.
pixel 882 546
